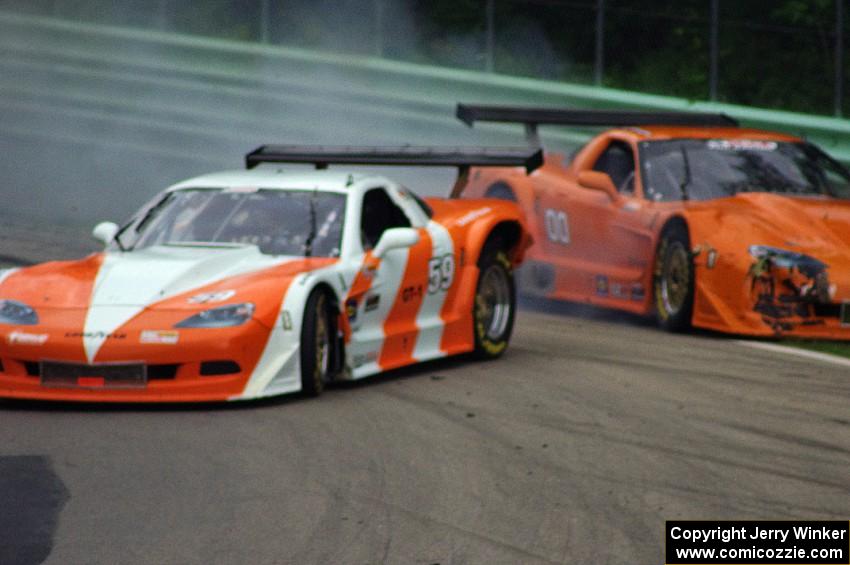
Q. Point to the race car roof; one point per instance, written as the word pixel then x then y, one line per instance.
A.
pixel 275 178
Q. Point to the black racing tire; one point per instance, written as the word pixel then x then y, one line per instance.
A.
pixel 673 279
pixel 494 306
pixel 501 191
pixel 316 344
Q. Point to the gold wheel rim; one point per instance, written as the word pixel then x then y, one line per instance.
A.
pixel 675 278
pixel 493 303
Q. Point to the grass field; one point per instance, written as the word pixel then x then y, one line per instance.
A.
pixel 832 347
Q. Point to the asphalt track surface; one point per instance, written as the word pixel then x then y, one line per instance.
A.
pixel 575 447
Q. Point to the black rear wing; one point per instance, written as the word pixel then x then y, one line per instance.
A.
pixel 410 156
pixel 406 155
pixel 532 117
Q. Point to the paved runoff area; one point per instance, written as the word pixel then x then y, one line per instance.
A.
pixel 575 447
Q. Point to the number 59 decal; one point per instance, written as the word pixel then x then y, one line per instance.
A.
pixel 557 226
pixel 441 273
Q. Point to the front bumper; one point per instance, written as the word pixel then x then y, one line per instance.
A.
pixel 203 365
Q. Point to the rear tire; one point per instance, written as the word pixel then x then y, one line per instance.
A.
pixel 316 344
pixel 494 307
pixel 673 280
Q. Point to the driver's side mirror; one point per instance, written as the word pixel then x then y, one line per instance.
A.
pixel 105 232
pixel 395 238
pixel 596 180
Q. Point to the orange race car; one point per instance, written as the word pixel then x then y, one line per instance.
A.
pixel 686 216
pixel 246 284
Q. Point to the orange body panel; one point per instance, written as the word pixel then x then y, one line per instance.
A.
pixel 400 325
pixel 590 247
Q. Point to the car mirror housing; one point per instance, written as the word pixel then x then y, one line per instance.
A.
pixel 596 180
pixel 395 238
pixel 105 232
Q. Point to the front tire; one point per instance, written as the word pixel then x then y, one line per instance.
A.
pixel 316 344
pixel 495 304
pixel 673 280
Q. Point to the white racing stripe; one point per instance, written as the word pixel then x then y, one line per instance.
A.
pixel 428 319
pixel 816 355
pixel 127 283
pixel 367 342
pixel 5 273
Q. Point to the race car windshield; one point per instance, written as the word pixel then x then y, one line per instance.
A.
pixel 703 169
pixel 278 222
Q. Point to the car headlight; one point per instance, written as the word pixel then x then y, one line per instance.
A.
pixel 221 317
pixel 17 313
pixel 785 258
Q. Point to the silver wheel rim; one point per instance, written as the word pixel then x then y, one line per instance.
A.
pixel 494 302
pixel 675 278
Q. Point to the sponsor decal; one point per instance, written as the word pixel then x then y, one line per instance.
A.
pixel 364 358
pixel 95 335
pixel 601 285
pixel 638 292
pixel 472 215
pixel 167 337
pixel 741 145
pixel 351 309
pixel 619 290
pixel 23 338
pixel 207 297
pixel 372 302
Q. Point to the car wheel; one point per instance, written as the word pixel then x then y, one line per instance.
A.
pixel 673 280
pixel 316 346
pixel 501 191
pixel 494 306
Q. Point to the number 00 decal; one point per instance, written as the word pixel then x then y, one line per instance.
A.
pixel 441 273
pixel 557 226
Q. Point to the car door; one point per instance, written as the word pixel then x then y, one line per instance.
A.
pixel 386 296
pixel 615 240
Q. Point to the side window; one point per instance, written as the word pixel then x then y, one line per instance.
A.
pixel 618 161
pixel 380 213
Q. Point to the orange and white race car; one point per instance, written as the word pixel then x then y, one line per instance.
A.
pixel 686 216
pixel 254 283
